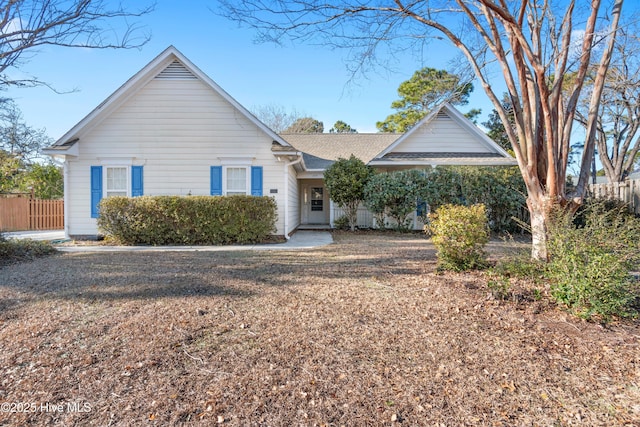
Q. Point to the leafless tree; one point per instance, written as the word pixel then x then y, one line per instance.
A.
pixel 26 25
pixel 618 123
pixel 276 117
pixel 531 44
pixel 17 139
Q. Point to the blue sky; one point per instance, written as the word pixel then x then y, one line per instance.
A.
pixel 311 79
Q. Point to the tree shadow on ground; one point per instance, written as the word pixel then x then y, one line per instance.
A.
pixel 241 274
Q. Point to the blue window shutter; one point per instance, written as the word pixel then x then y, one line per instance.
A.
pixel 421 207
pixel 96 189
pixel 216 180
pixel 256 180
pixel 137 181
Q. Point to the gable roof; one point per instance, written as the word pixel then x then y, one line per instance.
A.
pixel 422 145
pixel 320 150
pixel 170 63
pixel 427 135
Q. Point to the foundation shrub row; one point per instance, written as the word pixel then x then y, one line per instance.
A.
pixel 191 220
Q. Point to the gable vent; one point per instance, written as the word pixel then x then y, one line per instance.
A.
pixel 176 71
pixel 442 115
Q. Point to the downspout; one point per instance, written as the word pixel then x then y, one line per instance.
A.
pixel 286 193
pixel 65 195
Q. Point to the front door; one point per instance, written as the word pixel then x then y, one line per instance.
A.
pixel 317 206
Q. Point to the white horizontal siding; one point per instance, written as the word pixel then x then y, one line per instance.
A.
pixel 442 135
pixel 78 203
pixel 176 129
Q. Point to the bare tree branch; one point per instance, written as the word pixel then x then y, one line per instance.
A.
pixel 594 105
pixel 618 121
pixel 523 39
pixel 26 25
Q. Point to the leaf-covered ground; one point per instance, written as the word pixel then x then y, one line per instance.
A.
pixel 359 333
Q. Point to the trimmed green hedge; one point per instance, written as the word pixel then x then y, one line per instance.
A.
pixel 501 189
pixel 191 220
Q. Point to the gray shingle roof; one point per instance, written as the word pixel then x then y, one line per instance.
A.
pixel 322 149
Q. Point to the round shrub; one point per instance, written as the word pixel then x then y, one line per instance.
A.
pixel 500 189
pixel 345 179
pixel 459 234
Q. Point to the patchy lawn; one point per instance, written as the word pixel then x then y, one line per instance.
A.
pixel 362 332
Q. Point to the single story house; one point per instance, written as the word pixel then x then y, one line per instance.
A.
pixel 171 130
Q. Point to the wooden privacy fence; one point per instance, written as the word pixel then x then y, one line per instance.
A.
pixel 627 191
pixel 21 212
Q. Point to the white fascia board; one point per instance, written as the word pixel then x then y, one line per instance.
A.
pixel 54 152
pixel 407 134
pixel 497 161
pixel 204 77
pixel 120 96
pixel 292 156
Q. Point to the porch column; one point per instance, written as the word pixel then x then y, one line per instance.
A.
pixel 331 213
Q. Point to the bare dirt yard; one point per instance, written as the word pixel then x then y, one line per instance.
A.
pixel 363 332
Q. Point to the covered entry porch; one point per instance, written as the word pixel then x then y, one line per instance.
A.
pixel 315 206
pixel 318 212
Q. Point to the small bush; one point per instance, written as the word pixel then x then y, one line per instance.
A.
pixel 12 251
pixel 341 223
pixel 500 287
pixel 590 264
pixel 613 207
pixel 194 220
pixel 459 234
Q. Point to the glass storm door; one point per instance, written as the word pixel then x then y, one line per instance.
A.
pixel 317 214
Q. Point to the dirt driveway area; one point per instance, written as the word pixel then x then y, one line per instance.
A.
pixel 363 332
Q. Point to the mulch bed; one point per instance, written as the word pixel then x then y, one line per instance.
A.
pixel 362 332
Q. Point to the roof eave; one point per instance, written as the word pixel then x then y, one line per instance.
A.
pixel 499 161
pixel 57 151
pixel 287 153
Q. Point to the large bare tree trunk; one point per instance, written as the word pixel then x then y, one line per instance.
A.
pixel 532 44
pixel 539 210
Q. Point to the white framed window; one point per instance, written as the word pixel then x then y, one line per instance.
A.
pixel 236 180
pixel 116 180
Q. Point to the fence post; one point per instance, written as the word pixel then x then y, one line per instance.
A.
pixel 627 191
